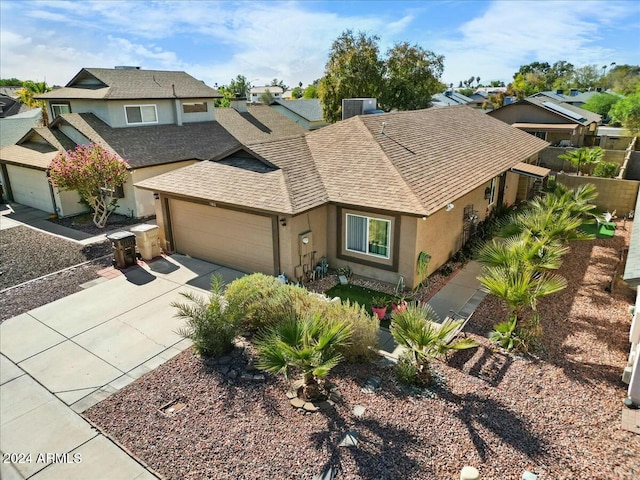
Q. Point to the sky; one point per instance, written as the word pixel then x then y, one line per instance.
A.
pixel 215 41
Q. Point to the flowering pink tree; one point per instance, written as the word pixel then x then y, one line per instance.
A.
pixel 95 173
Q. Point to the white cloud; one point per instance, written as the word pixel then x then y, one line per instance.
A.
pixel 510 34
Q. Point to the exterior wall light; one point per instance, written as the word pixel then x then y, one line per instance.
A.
pixel 283 222
pixel 449 207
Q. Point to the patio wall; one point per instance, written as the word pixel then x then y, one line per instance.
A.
pixel 549 159
pixel 613 193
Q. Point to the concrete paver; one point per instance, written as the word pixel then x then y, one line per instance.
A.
pixel 84 310
pixel 88 461
pixel 8 370
pixel 24 336
pixel 21 396
pixel 70 371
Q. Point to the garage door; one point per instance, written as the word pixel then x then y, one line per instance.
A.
pixel 234 239
pixel 30 187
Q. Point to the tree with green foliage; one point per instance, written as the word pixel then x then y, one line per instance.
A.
pixel 627 112
pixel 418 329
pixel 496 83
pixel 267 97
pixel 10 82
pixel 279 83
pixel 310 92
pixel 28 93
pixel 95 173
pixel 354 69
pixel 586 77
pixel 584 156
pixel 297 92
pixel 405 78
pixel 411 77
pixel 240 86
pixel 622 79
pixel 467 92
pixel 305 345
pixel 601 103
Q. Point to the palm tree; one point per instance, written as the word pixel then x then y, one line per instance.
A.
pixel 543 254
pixel 417 329
pixel 577 201
pixel 583 156
pixel 519 285
pixel 305 346
pixel 542 223
pixel 27 95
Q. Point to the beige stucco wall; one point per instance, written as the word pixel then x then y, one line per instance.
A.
pixel 613 194
pixel 314 221
pixel 138 202
pixel 69 203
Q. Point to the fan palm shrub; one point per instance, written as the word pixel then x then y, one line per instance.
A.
pixel 304 346
pixel 583 156
pixel 418 329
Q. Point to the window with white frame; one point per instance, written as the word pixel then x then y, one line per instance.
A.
pixel 492 195
pixel 541 135
pixel 141 114
pixel 368 235
pixel 60 109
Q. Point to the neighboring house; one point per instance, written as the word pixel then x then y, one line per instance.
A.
pixel 449 98
pixel 306 112
pixel 155 120
pixel 256 92
pixel 556 122
pixel 371 192
pixel 14 127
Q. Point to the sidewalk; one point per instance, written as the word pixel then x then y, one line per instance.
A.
pixel 461 294
pixel 14 214
pixel 58 360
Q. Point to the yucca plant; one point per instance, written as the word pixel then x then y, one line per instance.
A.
pixel 418 329
pixel 304 346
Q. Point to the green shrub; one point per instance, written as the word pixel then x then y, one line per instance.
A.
pixel 210 325
pixel 606 170
pixel 255 299
pixel 406 371
pixel 363 326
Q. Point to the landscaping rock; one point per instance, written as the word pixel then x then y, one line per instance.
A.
pixel 349 439
pixel 310 407
pixel 297 402
pixel 358 410
pixel 372 384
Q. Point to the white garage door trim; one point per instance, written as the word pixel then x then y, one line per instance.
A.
pixel 235 239
pixel 30 187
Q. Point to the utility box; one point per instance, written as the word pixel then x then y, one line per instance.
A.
pixel 147 240
pixel 124 249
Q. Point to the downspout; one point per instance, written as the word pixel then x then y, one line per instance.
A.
pixel 177 106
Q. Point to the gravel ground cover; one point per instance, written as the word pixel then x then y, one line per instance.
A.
pixel 556 414
pixel 29 254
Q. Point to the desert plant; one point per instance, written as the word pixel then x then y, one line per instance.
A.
pixel 379 302
pixel 583 156
pixel 364 327
pixel 345 271
pixel 211 325
pixel 257 297
pixel 541 253
pixel 606 170
pixel 305 346
pixel 417 329
pixel 506 335
pixel 406 370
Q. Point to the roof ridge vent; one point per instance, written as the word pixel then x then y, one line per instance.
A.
pixel 126 67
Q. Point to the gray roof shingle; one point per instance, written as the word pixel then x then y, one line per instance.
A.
pixel 128 84
pixel 308 108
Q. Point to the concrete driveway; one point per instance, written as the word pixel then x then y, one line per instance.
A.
pixel 60 359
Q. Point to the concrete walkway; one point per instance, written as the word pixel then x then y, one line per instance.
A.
pixel 59 359
pixel 461 294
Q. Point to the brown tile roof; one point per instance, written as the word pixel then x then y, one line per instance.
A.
pixel 530 170
pixel 216 182
pixel 438 154
pixel 423 160
pixel 28 155
pixel 120 84
pixel 260 124
pixel 155 144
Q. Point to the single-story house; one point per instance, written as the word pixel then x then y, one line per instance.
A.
pixel 371 192
pixel 554 121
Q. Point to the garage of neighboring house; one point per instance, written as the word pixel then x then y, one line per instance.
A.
pixel 233 238
pixel 30 186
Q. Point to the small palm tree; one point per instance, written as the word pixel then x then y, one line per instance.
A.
pixel 419 330
pixel 305 346
pixel 577 201
pixel 583 156
pixel 541 253
pixel 540 222
pixel 29 91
